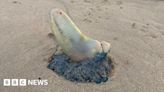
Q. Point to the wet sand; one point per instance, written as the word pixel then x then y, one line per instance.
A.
pixel 135 29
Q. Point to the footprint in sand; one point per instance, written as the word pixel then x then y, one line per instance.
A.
pixel 16 2
pixel 119 2
pixel 162 33
pixel 153 35
pixel 115 38
pixel 133 25
pixel 87 1
pixel 87 20
pixel 72 1
pixel 145 29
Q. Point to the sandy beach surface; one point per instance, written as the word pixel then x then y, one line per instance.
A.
pixel 135 29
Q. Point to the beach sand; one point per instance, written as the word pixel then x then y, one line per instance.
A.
pixel 135 29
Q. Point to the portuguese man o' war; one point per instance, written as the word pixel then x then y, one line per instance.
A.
pixel 81 58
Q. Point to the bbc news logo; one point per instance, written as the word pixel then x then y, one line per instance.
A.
pixel 24 82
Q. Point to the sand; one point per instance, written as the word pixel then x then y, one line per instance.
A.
pixel 135 29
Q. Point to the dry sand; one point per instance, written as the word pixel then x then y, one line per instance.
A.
pixel 135 28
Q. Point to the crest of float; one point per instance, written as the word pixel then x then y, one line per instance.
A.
pixel 72 41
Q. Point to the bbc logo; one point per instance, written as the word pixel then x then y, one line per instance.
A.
pixel 14 82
